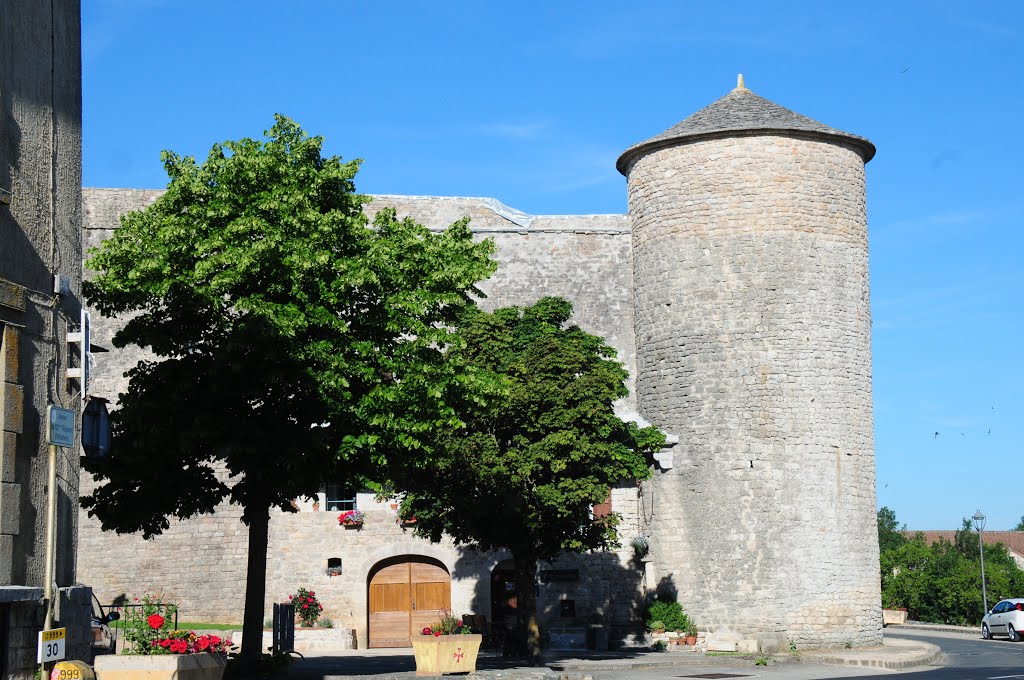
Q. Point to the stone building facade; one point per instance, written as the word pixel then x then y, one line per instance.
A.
pixel 736 293
pixel 40 239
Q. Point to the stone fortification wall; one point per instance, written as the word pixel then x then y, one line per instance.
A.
pixel 608 589
pixel 198 563
pixel 201 562
pixel 583 258
pixel 753 328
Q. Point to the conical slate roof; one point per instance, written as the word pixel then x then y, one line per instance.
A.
pixel 741 112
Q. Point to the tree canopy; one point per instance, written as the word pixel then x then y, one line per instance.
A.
pixel 539 448
pixel 292 339
pixel 941 582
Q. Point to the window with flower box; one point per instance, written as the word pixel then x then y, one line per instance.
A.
pixel 340 497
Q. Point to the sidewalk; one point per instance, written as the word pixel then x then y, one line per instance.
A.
pixel 393 664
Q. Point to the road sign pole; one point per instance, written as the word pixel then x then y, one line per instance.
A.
pixel 51 530
pixel 51 527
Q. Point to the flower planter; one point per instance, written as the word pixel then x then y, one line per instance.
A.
pixel 894 616
pixel 446 653
pixel 160 666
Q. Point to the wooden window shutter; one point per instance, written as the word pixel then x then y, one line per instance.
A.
pixel 604 509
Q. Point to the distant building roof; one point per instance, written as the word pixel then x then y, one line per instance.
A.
pixel 1013 540
pixel 741 112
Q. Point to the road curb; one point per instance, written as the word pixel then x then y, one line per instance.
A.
pixel 927 655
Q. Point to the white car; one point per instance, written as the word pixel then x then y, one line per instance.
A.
pixel 1006 618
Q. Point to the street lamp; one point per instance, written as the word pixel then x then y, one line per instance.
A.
pixel 979 524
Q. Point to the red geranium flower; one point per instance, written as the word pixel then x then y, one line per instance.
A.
pixel 155 621
pixel 179 646
pixel 305 606
pixel 426 630
pixel 437 633
pixel 166 642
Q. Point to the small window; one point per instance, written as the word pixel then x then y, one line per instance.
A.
pixel 567 609
pixel 603 509
pixel 340 497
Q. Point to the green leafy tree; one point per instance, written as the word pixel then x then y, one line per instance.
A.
pixel 539 449
pixel 890 533
pixel 967 541
pixel 941 583
pixel 292 339
pixel 1020 525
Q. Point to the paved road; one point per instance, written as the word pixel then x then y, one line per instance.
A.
pixel 966 658
pixel 971 658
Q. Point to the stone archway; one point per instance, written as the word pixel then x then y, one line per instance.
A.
pixel 405 593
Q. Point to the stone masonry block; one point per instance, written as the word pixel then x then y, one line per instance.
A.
pixel 28 615
pixel 12 407
pixel 6 560
pixel 12 295
pixel 10 508
pixel 8 451
pixel 10 354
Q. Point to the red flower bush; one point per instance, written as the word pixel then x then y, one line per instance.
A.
pixel 307 608
pixel 148 629
pixel 448 625
pixel 187 642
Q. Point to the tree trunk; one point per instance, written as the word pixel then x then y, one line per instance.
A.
pixel 526 590
pixel 255 584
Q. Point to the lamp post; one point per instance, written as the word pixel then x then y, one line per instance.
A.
pixel 979 524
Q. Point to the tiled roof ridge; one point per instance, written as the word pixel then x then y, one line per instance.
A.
pixel 1014 540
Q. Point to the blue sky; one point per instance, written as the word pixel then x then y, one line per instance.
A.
pixel 532 102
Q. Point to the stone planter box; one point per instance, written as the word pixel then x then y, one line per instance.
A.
pixel 160 666
pixel 894 616
pixel 446 653
pixel 318 639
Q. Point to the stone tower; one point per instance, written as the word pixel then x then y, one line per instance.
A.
pixel 753 333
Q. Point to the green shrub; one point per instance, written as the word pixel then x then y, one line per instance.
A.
pixel 324 622
pixel 668 612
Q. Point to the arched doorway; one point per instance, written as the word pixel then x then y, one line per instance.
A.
pixel 405 594
pixel 505 606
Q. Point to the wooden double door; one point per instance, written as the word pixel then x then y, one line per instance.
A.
pixel 406 594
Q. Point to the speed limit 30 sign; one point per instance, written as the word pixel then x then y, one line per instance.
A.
pixel 51 644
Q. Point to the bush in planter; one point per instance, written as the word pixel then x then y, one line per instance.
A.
pixel 641 546
pixel 448 625
pixel 324 622
pixel 668 612
pixel 656 626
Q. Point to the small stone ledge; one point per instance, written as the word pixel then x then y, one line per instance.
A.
pixel 20 594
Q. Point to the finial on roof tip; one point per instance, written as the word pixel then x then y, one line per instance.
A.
pixel 739 82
